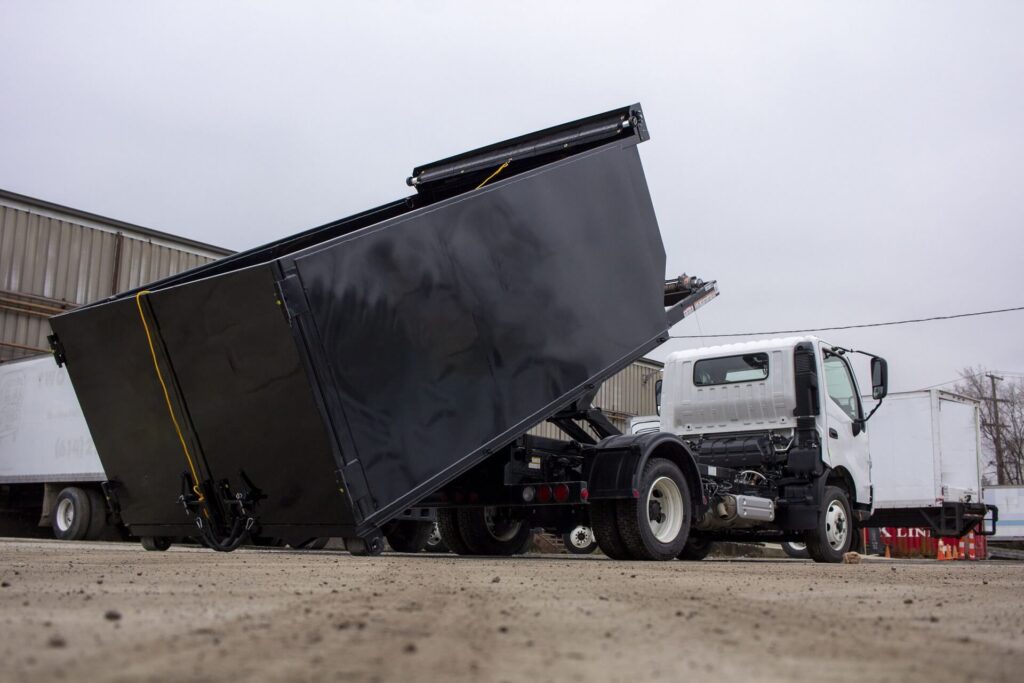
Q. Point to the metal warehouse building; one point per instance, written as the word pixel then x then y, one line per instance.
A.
pixel 628 394
pixel 53 258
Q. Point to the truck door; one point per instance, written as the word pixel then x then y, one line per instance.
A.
pixel 847 442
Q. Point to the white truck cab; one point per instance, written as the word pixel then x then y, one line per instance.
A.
pixel 751 387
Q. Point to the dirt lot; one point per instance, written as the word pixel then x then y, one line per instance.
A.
pixel 95 611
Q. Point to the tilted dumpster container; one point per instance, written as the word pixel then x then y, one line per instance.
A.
pixel 322 384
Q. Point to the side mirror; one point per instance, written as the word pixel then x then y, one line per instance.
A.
pixel 657 396
pixel 879 378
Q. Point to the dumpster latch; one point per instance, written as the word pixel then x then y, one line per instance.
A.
pixel 291 297
pixel 57 349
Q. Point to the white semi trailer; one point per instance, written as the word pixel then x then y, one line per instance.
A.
pixel 789 452
pixel 50 474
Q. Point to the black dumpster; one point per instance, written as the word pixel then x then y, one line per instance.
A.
pixel 322 384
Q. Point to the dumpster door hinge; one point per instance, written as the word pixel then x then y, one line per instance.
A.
pixel 352 478
pixel 291 297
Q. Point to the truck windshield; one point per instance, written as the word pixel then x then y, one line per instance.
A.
pixel 751 367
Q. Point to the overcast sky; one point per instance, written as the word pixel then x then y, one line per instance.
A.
pixel 828 164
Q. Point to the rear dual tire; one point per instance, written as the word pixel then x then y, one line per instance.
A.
pixel 408 536
pixel 483 531
pixel 654 525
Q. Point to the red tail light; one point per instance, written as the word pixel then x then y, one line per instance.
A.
pixel 561 493
pixel 543 494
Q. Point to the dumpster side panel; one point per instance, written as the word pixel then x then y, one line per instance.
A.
pixel 110 366
pixel 454 327
pixel 249 401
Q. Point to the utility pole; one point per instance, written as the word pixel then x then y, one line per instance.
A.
pixel 997 435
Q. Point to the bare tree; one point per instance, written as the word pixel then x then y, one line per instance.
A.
pixel 976 383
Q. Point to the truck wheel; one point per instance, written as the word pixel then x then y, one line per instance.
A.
pixel 798 551
pixel 832 538
pixel 604 520
pixel 72 514
pixel 97 514
pixel 156 543
pixel 435 544
pixel 655 525
pixel 580 541
pixel 408 536
pixel 491 531
pixel 317 543
pixel 451 534
pixel 696 549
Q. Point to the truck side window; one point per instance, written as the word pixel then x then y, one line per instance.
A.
pixel 840 385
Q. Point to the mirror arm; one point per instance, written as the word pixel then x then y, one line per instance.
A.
pixel 864 420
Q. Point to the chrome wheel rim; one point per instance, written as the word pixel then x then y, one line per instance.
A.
pixel 65 514
pixel 581 537
pixel 665 509
pixel 837 527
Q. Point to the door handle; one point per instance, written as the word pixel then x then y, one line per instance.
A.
pixel 833 433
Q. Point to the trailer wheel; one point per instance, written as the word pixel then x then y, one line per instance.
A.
pixel 655 525
pixel 97 514
pixel 696 549
pixel 408 536
pixel 156 543
pixel 491 531
pixel 798 551
pixel 72 514
pixel 580 541
pixel 435 544
pixel 451 534
pixel 834 533
pixel 604 520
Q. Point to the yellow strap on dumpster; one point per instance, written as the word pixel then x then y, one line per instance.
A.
pixel 167 397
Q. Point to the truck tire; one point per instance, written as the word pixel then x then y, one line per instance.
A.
pixel 696 549
pixel 435 544
pixel 655 525
pixel 97 514
pixel 451 534
pixel 72 514
pixel 316 543
pixel 580 541
pixel 798 551
pixel 408 536
pixel 156 543
pixel 604 520
pixel 487 531
pixel 834 533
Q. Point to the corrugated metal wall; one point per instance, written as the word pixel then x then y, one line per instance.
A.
pixel 628 394
pixel 48 265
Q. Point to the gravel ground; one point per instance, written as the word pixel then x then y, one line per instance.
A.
pixel 97 611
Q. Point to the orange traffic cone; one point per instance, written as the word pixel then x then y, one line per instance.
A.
pixel 941 552
pixel 971 552
pixel 961 554
pixel 888 555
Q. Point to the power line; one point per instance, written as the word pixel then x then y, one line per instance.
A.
pixel 850 327
pixel 967 377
